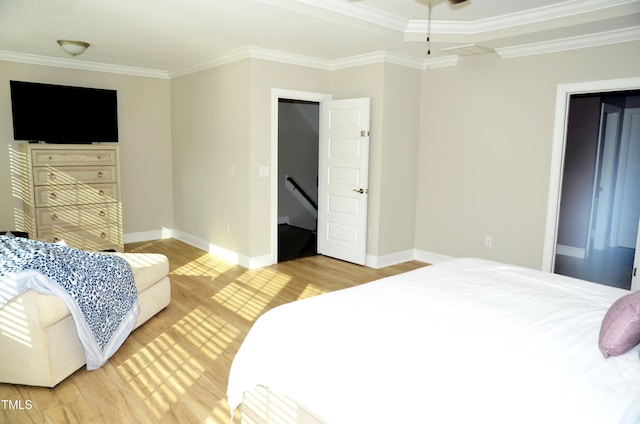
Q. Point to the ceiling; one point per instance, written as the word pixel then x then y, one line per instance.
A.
pixel 169 37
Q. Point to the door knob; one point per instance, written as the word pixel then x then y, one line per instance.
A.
pixel 361 190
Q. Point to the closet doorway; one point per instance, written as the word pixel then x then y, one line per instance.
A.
pixel 298 149
pixel 600 194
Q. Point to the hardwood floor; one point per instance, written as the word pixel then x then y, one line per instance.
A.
pixel 612 266
pixel 174 368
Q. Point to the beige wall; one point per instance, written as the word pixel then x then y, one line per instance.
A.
pixel 395 105
pixel 457 153
pixel 485 148
pixel 210 135
pixel 398 176
pixel 222 118
pixel 145 141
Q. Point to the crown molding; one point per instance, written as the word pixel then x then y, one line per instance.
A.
pixel 547 13
pixel 251 52
pixel 81 64
pixel 441 62
pixel 361 12
pixel 571 43
pixel 377 57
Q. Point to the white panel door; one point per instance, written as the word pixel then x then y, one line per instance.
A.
pixel 342 179
pixel 627 204
pixel 603 189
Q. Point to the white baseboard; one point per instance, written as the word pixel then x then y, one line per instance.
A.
pixel 405 256
pixel 234 258
pixel 148 235
pixel 430 257
pixel 266 260
pixel 574 252
pixel 388 260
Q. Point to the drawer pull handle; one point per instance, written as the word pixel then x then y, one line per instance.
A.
pixel 52 176
pixel 50 157
pixel 56 239
pixel 53 195
pixel 103 235
pixel 102 213
pixel 101 193
pixel 99 174
pixel 54 217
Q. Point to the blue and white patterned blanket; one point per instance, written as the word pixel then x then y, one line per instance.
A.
pixel 98 289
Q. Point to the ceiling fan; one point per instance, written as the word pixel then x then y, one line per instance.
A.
pixel 429 24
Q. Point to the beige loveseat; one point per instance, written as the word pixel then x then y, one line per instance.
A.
pixel 39 345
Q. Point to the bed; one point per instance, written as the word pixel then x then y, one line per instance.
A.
pixel 464 341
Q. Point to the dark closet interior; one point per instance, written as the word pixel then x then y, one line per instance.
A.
pixel 298 143
pixel 597 225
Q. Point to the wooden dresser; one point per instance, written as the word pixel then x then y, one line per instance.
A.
pixel 73 194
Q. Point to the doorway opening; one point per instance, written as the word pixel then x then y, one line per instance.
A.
pixel 597 227
pixel 298 149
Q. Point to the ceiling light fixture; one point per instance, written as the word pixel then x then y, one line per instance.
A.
pixel 74 48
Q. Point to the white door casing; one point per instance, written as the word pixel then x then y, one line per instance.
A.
pixel 343 179
pixel 563 95
pixel 276 95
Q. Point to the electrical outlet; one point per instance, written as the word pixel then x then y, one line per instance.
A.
pixel 488 241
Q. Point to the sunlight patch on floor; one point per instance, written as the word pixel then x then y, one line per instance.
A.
pixel 206 265
pixel 250 294
pixel 156 373
pixel 210 333
pixel 162 371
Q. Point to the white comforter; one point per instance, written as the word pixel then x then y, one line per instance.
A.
pixel 465 341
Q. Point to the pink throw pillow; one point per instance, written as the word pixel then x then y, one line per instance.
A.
pixel 620 330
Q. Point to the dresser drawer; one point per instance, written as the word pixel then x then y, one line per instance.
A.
pixel 75 157
pixel 75 194
pixel 77 216
pixel 45 175
pixel 95 238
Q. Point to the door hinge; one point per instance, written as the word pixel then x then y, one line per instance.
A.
pixel 634 271
pixel 364 133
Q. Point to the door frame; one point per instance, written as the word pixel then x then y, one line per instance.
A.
pixel 563 94
pixel 276 95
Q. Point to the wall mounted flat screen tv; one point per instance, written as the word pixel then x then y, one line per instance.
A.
pixel 63 114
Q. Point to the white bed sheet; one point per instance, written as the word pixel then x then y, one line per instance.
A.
pixel 465 341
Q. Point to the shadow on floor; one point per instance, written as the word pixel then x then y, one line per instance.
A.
pixel 295 243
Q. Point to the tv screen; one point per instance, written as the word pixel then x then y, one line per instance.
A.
pixel 63 114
